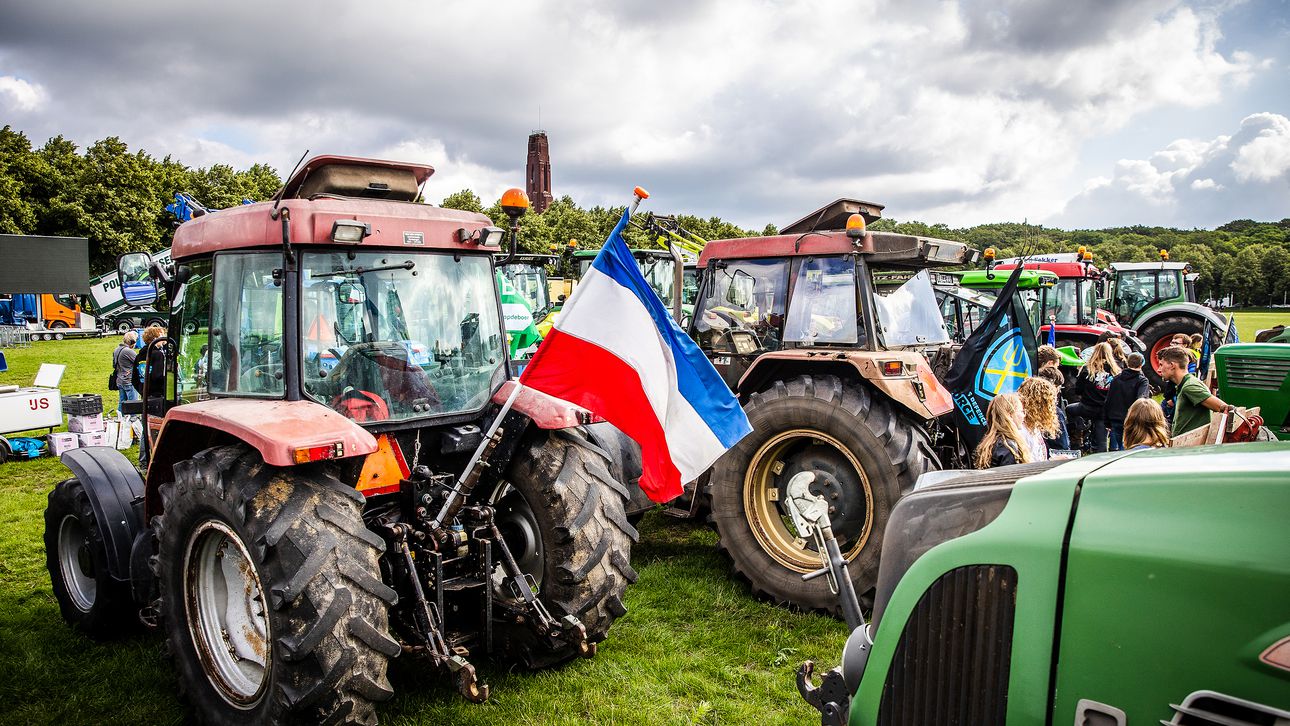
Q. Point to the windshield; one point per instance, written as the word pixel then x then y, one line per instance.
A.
pixel 910 314
pixel 823 308
pixel 394 336
pixel 690 287
pixel 660 273
pixel 743 294
pixel 1073 301
pixel 530 282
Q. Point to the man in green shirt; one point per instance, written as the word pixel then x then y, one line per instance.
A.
pixel 1194 399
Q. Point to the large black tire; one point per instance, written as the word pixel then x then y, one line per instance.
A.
pixel 866 456
pixel 625 465
pixel 76 557
pixel 322 626
pixel 561 513
pixel 1156 334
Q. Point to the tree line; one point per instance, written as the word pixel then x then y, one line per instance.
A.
pixel 115 198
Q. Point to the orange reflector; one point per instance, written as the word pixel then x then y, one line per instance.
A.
pixel 640 192
pixel 892 368
pixel 1278 654
pixel 335 450
pixel 383 469
pixel 989 253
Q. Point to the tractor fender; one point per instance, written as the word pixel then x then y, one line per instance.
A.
pixel 276 429
pixel 546 411
pixel 914 389
pixel 1190 309
pixel 115 491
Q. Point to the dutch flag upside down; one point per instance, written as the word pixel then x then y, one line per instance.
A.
pixel 617 352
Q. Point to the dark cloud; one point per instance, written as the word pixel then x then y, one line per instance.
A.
pixel 754 112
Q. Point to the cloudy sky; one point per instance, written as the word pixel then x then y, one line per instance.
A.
pixel 1084 113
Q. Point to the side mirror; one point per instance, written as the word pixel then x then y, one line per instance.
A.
pixel 133 272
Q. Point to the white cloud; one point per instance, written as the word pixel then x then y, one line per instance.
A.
pixel 1195 183
pixel 18 95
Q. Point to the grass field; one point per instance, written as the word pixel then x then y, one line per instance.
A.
pixel 694 647
pixel 1251 320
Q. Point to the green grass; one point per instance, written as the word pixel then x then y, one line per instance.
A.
pixel 693 648
pixel 1251 320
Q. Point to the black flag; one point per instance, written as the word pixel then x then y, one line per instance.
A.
pixel 995 359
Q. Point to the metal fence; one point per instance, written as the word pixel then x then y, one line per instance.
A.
pixel 13 336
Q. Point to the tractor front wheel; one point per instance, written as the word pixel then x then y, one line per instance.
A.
pixel 864 456
pixel 560 511
pixel 271 597
pixel 1158 334
pixel 76 557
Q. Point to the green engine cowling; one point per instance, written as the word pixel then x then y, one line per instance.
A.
pixel 1101 590
pixel 1257 374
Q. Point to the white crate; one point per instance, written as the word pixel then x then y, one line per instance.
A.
pixel 85 424
pixel 63 442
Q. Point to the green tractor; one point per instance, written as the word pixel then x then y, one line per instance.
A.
pixel 1258 374
pixel 1111 590
pixel 1158 301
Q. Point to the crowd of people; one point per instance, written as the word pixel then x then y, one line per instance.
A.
pixel 1115 411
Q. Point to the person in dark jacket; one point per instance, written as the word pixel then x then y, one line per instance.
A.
pixel 1093 382
pixel 1127 387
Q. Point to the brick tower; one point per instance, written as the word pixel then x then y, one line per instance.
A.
pixel 539 172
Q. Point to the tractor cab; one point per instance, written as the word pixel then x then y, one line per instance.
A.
pixel 1136 286
pixel 658 267
pixel 820 293
pixel 528 275
pixel 966 297
pixel 319 310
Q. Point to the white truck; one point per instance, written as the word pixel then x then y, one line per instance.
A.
pixel 112 310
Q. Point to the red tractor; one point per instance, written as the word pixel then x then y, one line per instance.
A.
pixel 330 482
pixel 1073 302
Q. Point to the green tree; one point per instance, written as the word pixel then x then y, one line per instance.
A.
pixel 465 200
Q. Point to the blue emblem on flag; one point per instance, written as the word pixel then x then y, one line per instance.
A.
pixel 1005 366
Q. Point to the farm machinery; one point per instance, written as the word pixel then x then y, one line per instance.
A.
pixel 340 470
pixel 836 381
pixel 1158 300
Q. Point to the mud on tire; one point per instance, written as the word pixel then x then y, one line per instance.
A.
pixel 324 608
pixel 76 557
pixel 574 506
pixel 814 423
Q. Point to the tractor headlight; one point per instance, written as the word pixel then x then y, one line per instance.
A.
pixel 349 231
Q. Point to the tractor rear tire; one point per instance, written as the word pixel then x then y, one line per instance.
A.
pixel 560 510
pixel 89 599
pixel 866 456
pixel 1156 336
pixel 306 639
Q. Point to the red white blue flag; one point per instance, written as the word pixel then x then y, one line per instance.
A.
pixel 617 352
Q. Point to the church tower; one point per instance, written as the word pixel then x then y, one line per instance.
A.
pixel 539 172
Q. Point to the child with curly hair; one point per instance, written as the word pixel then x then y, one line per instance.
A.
pixel 1039 403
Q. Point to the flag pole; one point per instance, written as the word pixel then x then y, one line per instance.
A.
pixel 461 487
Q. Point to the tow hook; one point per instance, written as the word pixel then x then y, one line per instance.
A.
pixel 830 698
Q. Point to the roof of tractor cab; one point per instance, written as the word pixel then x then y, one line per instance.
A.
pixel 983 280
pixel 888 248
pixel 1064 270
pixel 328 189
pixel 1135 266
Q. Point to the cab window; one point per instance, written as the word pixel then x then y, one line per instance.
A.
pixel 246 325
pixel 192 309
